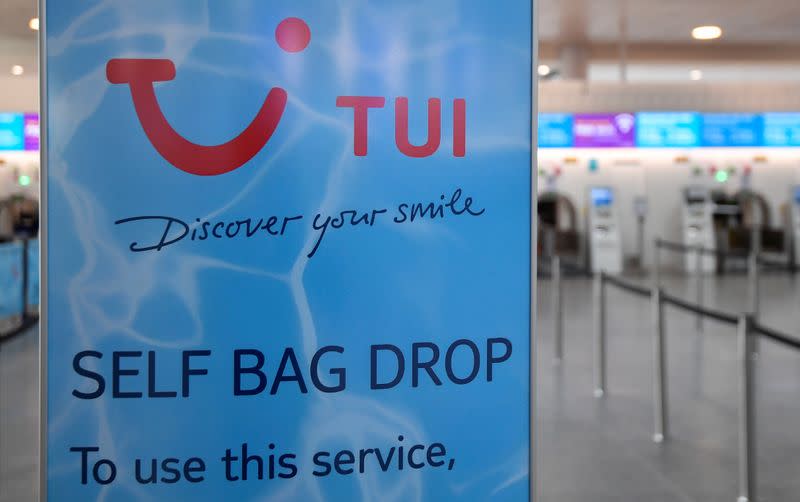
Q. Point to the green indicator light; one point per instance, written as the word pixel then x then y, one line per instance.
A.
pixel 24 180
pixel 722 176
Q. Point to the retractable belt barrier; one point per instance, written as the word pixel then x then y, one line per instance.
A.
pixel 776 336
pixel 699 310
pixel 771 264
pixel 630 287
pixel 19 287
pixel 748 330
pixel 687 249
pixel 563 266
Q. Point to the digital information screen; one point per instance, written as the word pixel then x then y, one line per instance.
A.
pixel 602 196
pixel 668 129
pixel 732 130
pixel 782 129
pixel 12 131
pixel 555 130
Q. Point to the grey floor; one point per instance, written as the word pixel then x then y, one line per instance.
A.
pixel 601 450
pixel 589 449
pixel 19 411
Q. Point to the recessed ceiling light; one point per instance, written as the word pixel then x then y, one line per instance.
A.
pixel 710 32
pixel 543 70
pixel 34 24
pixel 17 70
pixel 696 75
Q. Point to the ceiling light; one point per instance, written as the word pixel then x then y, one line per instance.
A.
pixel 544 70
pixel 696 75
pixel 707 32
pixel 17 70
pixel 34 24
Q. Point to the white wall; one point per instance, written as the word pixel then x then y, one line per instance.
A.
pixel 19 94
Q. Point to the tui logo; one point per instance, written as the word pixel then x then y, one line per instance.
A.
pixel 292 35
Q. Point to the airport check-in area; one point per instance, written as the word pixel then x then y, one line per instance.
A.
pixel 626 330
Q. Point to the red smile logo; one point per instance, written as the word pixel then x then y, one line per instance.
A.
pixel 293 35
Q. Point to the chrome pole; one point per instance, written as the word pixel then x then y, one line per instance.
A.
pixel 753 290
pixel 599 335
pixel 656 264
pixel 558 308
pixel 660 405
pixel 747 442
pixel 699 287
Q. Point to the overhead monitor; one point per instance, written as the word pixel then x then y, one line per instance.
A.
pixel 668 129
pixel 732 130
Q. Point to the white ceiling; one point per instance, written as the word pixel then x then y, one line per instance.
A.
pixel 755 31
pixel 758 22
pixel 14 17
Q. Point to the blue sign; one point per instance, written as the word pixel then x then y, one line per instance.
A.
pixel 668 129
pixel 782 129
pixel 33 272
pixel 10 279
pixel 12 131
pixel 732 129
pixel 555 130
pixel 287 250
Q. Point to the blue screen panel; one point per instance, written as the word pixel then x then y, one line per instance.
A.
pixel 12 131
pixel 602 197
pixel 555 130
pixel 732 129
pixel 668 129
pixel 782 129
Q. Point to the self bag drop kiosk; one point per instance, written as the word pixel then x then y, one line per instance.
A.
pixel 795 221
pixel 605 243
pixel 698 226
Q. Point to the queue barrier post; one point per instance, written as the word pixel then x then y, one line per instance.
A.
pixel 657 264
pixel 660 397
pixel 558 308
pixel 747 446
pixel 753 291
pixel 25 278
pixel 699 294
pixel 599 335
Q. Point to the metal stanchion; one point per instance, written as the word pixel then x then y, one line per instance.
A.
pixel 660 403
pixel 754 294
pixel 599 335
pixel 747 446
pixel 699 287
pixel 753 291
pixel 25 279
pixel 558 308
pixel 657 264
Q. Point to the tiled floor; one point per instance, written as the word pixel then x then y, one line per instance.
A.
pixel 19 412
pixel 601 451
pixel 589 450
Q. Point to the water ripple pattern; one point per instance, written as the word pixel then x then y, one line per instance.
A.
pixel 430 281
